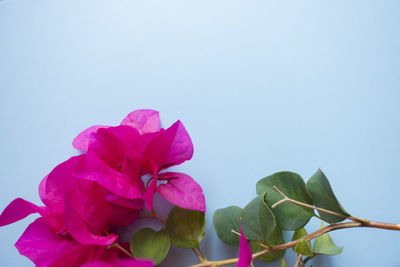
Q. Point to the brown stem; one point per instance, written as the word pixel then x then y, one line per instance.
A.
pixel 202 254
pixel 123 250
pixel 286 198
pixel 298 260
pixel 258 243
pixel 329 228
pixel 198 255
pixel 155 215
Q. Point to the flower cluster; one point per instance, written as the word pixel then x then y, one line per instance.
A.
pixel 115 179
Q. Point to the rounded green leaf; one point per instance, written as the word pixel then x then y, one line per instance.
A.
pixel 224 221
pixel 323 197
pixel 275 239
pixel 304 248
pixel 258 221
pixel 325 245
pixel 300 233
pixel 150 244
pixel 289 215
pixel 185 227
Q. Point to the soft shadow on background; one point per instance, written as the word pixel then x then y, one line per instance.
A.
pixel 261 86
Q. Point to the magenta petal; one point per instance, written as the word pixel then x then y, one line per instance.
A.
pixel 181 148
pixel 143 120
pixel 60 181
pixel 17 210
pixel 42 190
pixel 245 253
pixel 112 143
pixel 41 245
pixel 182 191
pixel 170 147
pixel 149 193
pixel 87 213
pixel 81 142
pixel 124 211
pixel 98 264
pixel 94 169
pixel 120 263
pixel 78 255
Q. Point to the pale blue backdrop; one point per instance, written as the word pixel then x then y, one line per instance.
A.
pixel 262 86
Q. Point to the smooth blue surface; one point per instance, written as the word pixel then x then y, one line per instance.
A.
pixel 262 86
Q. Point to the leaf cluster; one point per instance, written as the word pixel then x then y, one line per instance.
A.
pixel 264 223
pixel 184 229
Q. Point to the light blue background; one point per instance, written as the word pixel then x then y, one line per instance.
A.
pixel 262 86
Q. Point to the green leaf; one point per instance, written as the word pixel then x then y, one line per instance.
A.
pixel 275 239
pixel 258 221
pixel 185 227
pixel 325 245
pixel 300 233
pixel 304 248
pixel 224 221
pixel 323 197
pixel 283 264
pixel 289 215
pixel 149 244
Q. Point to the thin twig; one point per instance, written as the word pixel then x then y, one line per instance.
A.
pixel 286 198
pixel 123 250
pixel 298 260
pixel 202 254
pixel 258 243
pixel 329 228
pixel 155 215
pixel 198 255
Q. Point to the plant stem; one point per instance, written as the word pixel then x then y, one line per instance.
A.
pixel 296 264
pixel 329 228
pixel 258 243
pixel 286 198
pixel 202 254
pixel 155 215
pixel 198 255
pixel 123 250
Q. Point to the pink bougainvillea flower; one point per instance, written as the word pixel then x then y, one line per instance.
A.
pixel 45 248
pixel 118 156
pixel 143 120
pixel 75 206
pixel 106 164
pixel 245 254
pixel 169 148
pixel 182 191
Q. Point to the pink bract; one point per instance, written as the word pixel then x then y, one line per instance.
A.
pixel 245 253
pixel 17 210
pixel 143 120
pixel 182 191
